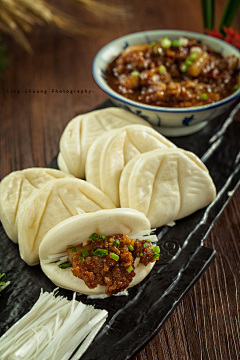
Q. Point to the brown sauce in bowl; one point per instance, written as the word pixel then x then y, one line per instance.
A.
pixel 174 76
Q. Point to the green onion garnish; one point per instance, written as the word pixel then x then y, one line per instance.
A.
pixel 93 236
pixel 84 253
pixel 147 235
pixel 114 256
pixel 135 73
pixel 203 96
pixel 130 269
pixel 148 240
pixel 82 259
pixel 100 252
pixel 153 44
pixel 72 248
pixel 145 245
pixel 162 69
pixel 166 43
pixel 235 87
pixel 141 254
pixel 193 56
pixel 184 68
pixel 156 256
pixel 121 265
pixel 3 276
pixel 156 249
pixel 176 43
pixel 131 248
pixel 188 62
pixel 3 284
pixel 65 265
pixel 116 243
pixel 102 237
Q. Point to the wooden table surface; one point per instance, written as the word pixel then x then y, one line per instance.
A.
pixel 206 324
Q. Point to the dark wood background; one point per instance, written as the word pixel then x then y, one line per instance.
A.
pixel 206 325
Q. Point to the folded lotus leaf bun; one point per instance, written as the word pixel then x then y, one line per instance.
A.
pixel 82 130
pixel 113 151
pixel 76 230
pixel 15 190
pixel 48 206
pixel 166 185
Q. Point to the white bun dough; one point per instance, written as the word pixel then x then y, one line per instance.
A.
pixel 50 205
pixel 167 185
pixel 76 230
pixel 61 163
pixel 115 151
pixel 82 130
pixel 15 190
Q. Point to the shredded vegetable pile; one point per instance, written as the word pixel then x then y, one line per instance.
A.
pixel 52 329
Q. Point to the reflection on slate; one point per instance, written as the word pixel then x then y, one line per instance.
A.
pixel 134 320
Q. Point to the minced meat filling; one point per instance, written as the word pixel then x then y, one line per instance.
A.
pixel 109 261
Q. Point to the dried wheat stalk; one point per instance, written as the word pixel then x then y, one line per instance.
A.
pixel 18 17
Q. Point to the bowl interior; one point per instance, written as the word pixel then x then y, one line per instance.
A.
pixel 109 52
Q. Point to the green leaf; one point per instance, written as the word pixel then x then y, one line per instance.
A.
pixel 230 11
pixel 208 13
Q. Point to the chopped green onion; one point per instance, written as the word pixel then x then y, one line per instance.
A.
pixel 193 56
pixel 93 236
pixel 116 243
pixel 166 42
pixel 3 276
pixel 114 256
pixel 147 235
pixel 3 284
pixel 162 69
pixel 160 51
pixel 100 252
pixel 156 249
pixel 183 41
pixel 184 68
pixel 235 87
pixel 65 265
pixel 135 73
pixel 148 240
pixel 203 96
pixel 72 248
pixel 121 265
pixel 130 269
pixel 188 62
pixel 102 237
pixel 131 248
pixel 176 43
pixel 141 254
pixel 153 44
pixel 156 256
pixel 84 253
pixel 145 245
pixel 82 259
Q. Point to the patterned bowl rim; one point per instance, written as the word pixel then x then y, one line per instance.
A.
pixel 106 88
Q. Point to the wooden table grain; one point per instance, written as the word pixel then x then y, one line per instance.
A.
pixel 206 324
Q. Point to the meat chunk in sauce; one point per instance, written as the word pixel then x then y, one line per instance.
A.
pixel 109 261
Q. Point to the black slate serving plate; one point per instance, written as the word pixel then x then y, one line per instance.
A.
pixel 134 320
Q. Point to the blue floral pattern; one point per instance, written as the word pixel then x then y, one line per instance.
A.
pixel 187 120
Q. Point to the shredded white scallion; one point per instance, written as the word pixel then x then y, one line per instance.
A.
pixel 52 330
pixel 143 234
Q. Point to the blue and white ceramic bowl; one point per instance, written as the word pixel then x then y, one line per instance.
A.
pixel 168 121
